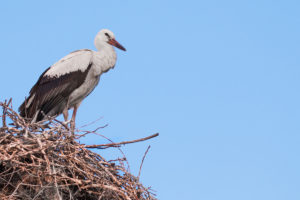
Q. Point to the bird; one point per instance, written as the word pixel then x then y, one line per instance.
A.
pixel 66 83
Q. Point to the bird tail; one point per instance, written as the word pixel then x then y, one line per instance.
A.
pixel 26 109
pixel 31 110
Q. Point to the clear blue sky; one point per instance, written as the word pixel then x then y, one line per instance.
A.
pixel 219 80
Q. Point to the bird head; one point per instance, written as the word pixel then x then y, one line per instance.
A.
pixel 105 36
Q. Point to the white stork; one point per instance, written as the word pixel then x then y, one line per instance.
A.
pixel 66 83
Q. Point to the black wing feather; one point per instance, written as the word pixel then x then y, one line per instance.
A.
pixel 52 91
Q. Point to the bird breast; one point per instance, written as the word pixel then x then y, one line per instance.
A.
pixel 85 89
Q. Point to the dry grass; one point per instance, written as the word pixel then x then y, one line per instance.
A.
pixel 42 161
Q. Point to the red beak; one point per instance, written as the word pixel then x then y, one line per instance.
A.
pixel 116 44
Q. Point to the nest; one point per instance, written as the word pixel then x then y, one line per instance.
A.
pixel 42 161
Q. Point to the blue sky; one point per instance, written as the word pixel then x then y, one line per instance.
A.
pixel 219 80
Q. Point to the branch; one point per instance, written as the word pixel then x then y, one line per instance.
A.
pixel 143 161
pixel 104 146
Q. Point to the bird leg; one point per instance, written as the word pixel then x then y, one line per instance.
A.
pixel 73 118
pixel 66 114
pixel 66 111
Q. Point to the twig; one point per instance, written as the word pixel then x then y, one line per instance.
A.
pixel 4 115
pixel 104 146
pixel 143 161
pixel 88 124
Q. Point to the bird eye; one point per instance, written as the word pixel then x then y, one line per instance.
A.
pixel 107 35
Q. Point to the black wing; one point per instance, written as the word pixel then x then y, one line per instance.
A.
pixel 49 92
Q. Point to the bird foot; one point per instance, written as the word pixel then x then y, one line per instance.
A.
pixel 67 122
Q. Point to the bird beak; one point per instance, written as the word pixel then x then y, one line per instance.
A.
pixel 116 44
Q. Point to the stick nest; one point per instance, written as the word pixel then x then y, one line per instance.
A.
pixel 41 161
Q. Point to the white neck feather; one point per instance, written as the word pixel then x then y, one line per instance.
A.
pixel 105 58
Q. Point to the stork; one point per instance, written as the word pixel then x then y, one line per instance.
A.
pixel 67 82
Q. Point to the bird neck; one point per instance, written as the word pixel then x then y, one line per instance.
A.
pixel 105 58
pixel 103 46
